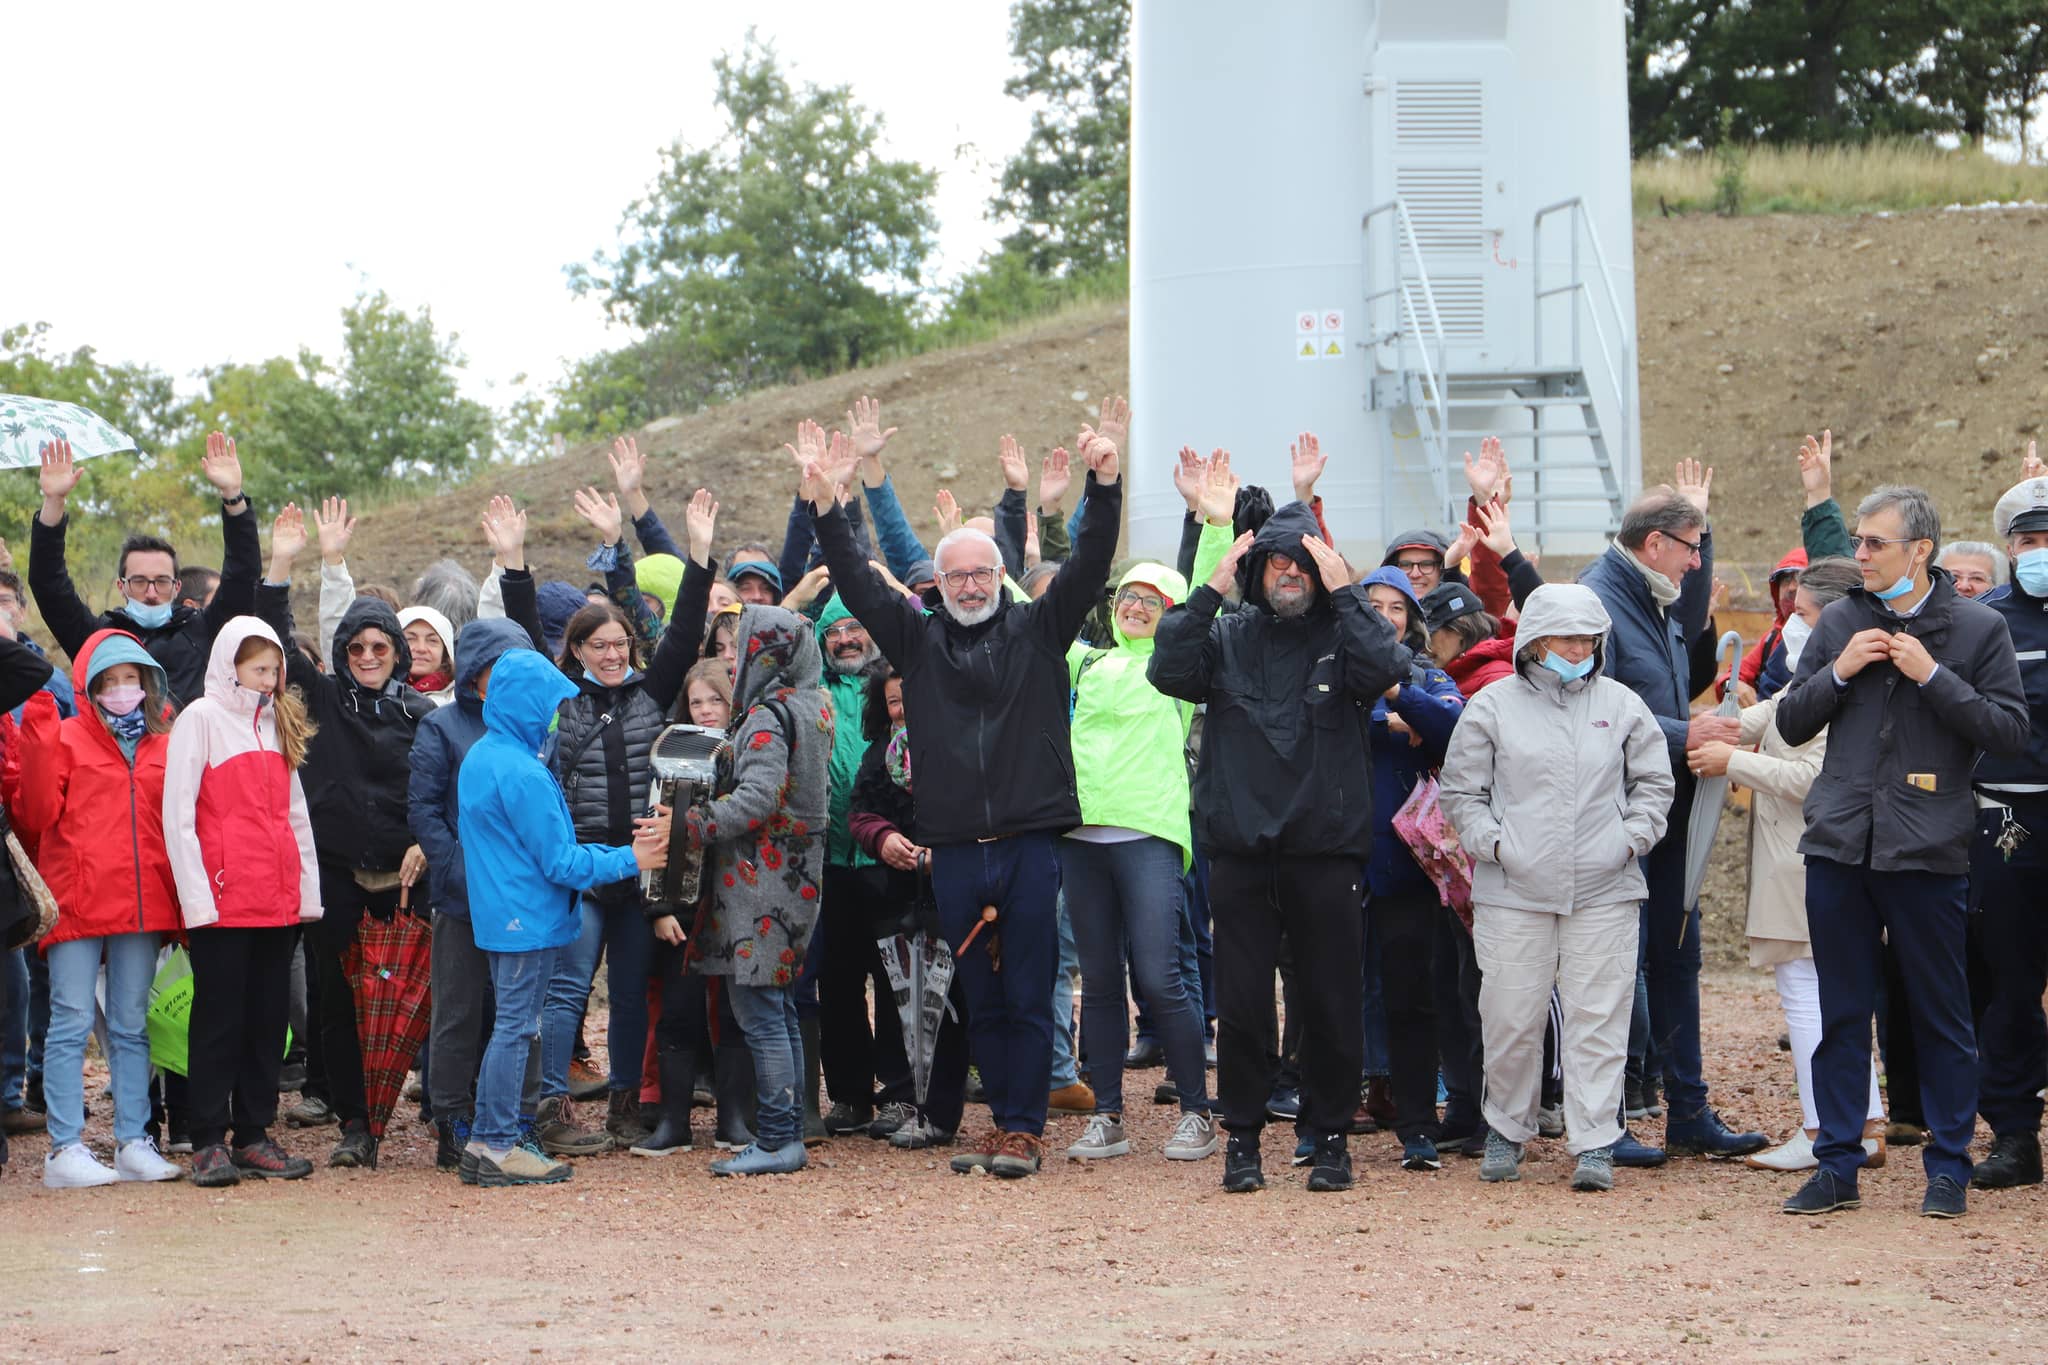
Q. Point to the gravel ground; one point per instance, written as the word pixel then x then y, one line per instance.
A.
pixel 876 1254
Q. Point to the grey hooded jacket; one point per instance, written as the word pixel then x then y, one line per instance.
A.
pixel 1557 788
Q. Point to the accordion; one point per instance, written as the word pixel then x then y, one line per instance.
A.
pixel 686 761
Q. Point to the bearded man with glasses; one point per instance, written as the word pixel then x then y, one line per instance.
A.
pixel 985 690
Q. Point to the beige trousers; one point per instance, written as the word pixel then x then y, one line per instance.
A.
pixel 1590 956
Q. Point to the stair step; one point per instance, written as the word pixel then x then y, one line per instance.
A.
pixel 1546 433
pixel 1566 466
pixel 1501 379
pixel 1517 401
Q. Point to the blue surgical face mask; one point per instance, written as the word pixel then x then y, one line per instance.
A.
pixel 1896 590
pixel 1565 668
pixel 2031 572
pixel 149 616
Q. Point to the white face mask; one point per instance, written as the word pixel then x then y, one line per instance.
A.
pixel 1797 633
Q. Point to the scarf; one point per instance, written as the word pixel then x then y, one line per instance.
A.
pixel 896 758
pixel 430 682
pixel 1662 590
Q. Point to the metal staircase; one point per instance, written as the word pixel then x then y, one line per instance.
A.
pixel 1416 371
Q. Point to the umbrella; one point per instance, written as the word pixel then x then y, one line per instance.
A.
pixel 920 971
pixel 1434 845
pixel 389 968
pixel 27 424
pixel 1711 793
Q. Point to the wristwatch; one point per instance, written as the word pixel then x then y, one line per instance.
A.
pixel 238 500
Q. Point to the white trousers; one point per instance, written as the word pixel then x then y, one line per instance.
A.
pixel 1799 994
pixel 1589 956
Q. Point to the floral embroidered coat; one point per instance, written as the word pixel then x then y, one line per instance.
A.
pixel 766 833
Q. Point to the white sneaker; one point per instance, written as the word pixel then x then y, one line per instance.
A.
pixel 140 1160
pixel 1795 1154
pixel 1103 1137
pixel 74 1168
pixel 1194 1138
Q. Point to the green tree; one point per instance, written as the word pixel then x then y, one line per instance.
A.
pixel 790 245
pixel 1068 190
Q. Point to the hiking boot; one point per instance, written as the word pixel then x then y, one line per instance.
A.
pixel 140 1160
pixel 414 1091
pixel 1332 1170
pixel 1102 1138
pixel 1304 1149
pixel 1503 1160
pixel 213 1168
pixel 560 1135
pixel 75 1168
pixel 1703 1134
pixel 1194 1138
pixel 290 1077
pixel 1595 1170
pixel 754 1159
pixel 1822 1193
pixel 1946 1198
pixel 889 1118
pixel 586 1082
pixel 981 1155
pixel 622 1119
pixel 1362 1121
pixel 1637 1155
pixel 1166 1092
pixel 846 1117
pixel 1640 1101
pixel 1145 1053
pixel 1418 1153
pixel 516 1166
pixel 1241 1170
pixel 2015 1160
pixel 1379 1102
pixel 1550 1121
pixel 1018 1156
pixel 450 1137
pixel 356 1148
pixel 312 1111
pixel 1071 1099
pixel 920 1133
pixel 265 1160
pixel 1284 1103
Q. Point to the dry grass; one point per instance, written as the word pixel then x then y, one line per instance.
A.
pixel 1859 179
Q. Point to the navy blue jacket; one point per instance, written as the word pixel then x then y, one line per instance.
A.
pixel 1429 703
pixel 2026 618
pixel 1650 652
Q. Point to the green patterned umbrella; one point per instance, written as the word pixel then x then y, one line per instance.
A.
pixel 27 424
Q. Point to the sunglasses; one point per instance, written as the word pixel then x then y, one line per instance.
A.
pixel 358 649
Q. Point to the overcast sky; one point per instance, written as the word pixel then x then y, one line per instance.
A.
pixel 192 184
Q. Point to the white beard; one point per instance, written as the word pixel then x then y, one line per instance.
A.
pixel 974 617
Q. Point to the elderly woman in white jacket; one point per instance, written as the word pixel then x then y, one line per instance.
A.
pixel 1558 783
pixel 1778 776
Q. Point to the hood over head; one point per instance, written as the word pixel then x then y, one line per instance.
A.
pixel 526 691
pixel 1167 582
pixel 105 648
pixel 922 571
pixel 1281 534
pixel 1793 562
pixel 1424 539
pixel 483 642
pixel 834 611
pixel 1416 637
pixel 661 575
pixel 1564 609
pixel 557 602
pixel 220 661
pixel 442 627
pixel 777 648
pixel 370 613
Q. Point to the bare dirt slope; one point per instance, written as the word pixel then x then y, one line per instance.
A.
pixel 1922 339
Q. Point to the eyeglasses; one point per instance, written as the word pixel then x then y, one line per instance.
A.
pixel 960 578
pixel 1691 546
pixel 845 630
pixel 615 646
pixel 374 649
pixel 137 583
pixel 1146 600
pixel 1415 565
pixel 1876 544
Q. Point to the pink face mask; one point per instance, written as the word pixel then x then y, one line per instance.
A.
pixel 121 700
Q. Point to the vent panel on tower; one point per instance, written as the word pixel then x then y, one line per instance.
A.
pixel 1460 305
pixel 1438 114
pixel 1446 205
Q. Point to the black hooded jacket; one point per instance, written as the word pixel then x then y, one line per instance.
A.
pixel 1286 765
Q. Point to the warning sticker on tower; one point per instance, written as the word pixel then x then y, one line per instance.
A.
pixel 1333 321
pixel 1333 348
pixel 1307 322
pixel 1307 350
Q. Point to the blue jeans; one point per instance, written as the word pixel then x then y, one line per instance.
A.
pixel 1009 1012
pixel 1669 954
pixel 767 1016
pixel 1131 892
pixel 520 983
pixel 627 942
pixel 1064 1072
pixel 74 972
pixel 1196 949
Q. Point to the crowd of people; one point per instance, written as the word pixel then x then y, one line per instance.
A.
pixel 1194 786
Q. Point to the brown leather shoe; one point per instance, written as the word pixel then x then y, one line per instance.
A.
pixel 1873 1144
pixel 1071 1099
pixel 1379 1102
pixel 1018 1156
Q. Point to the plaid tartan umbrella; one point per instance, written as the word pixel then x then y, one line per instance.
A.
pixel 390 968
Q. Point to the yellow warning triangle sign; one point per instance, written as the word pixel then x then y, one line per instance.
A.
pixel 1334 348
pixel 1308 348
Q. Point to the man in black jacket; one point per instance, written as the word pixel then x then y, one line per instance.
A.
pixel 178 637
pixel 985 686
pixel 1283 802
pixel 1914 684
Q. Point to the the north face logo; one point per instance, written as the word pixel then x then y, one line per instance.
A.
pixel 513 926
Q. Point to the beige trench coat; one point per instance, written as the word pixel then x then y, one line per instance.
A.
pixel 1778 775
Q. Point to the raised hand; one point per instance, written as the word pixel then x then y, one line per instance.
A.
pixel 629 474
pixel 1054 475
pixel 700 520
pixel 1016 474
pixel 1099 453
pixel 1031 547
pixel 1495 533
pixel 1693 480
pixel 814 488
pixel 807 589
pixel 1217 500
pixel 601 510
pixel 810 445
pixel 1816 468
pixel 504 527
pixel 6 557
pixel 335 526
pixel 1717 600
pixel 1488 473
pixel 1225 576
pixel 1329 564
pixel 948 512
pixel 287 541
pixel 1461 547
pixel 1114 421
pixel 60 473
pixel 2031 466
pixel 221 466
pixel 1306 456
pixel 864 427
pixel 882 572
pixel 1188 474
pixel 840 463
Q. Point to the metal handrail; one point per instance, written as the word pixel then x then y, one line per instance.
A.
pixel 1577 285
pixel 1405 228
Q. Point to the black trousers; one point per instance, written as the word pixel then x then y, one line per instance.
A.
pixel 1895 1039
pixel 2009 969
pixel 685 1022
pixel 1405 924
pixel 1314 903
pixel 241 1000
pixel 853 1055
pixel 1455 971
pixel 328 941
